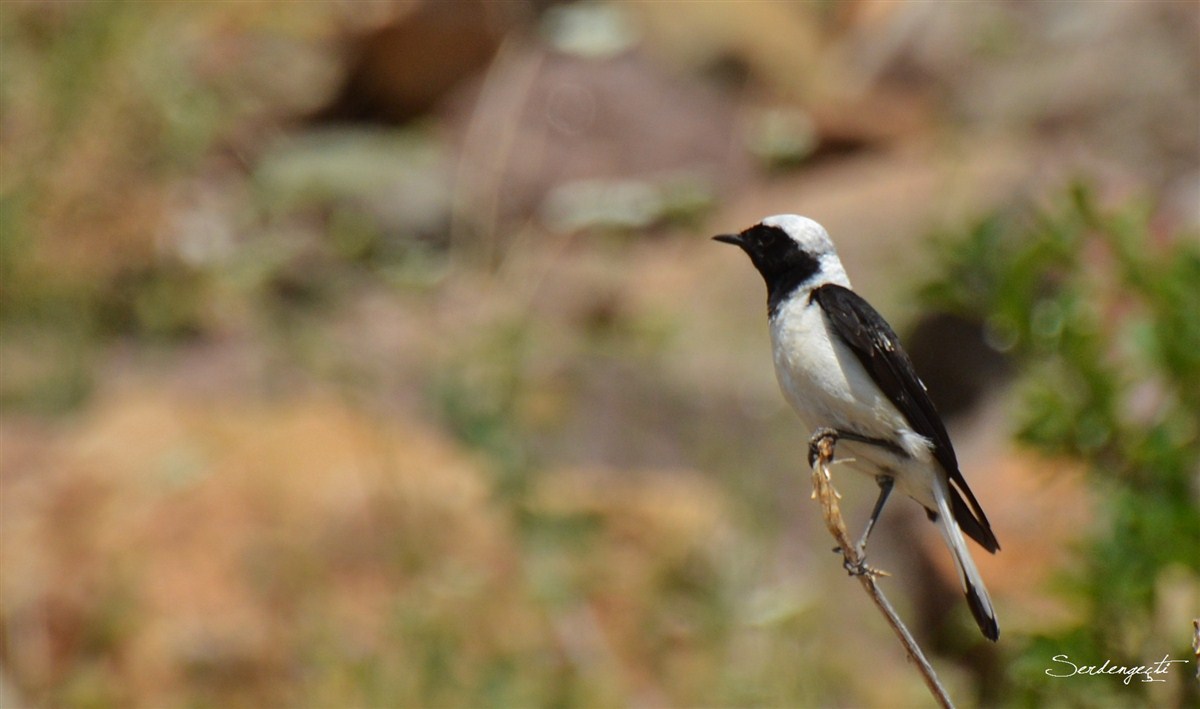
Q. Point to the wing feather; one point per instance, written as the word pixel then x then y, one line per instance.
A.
pixel 878 348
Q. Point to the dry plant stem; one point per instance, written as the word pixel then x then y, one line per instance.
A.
pixel 1196 644
pixel 823 443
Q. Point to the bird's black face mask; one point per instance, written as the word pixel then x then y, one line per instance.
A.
pixel 783 265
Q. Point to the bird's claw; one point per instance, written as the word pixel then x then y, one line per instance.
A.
pixel 857 568
pixel 860 568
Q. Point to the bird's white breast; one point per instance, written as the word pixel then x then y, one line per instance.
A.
pixel 827 385
pixel 814 378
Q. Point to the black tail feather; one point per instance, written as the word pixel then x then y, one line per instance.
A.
pixel 978 530
pixel 987 623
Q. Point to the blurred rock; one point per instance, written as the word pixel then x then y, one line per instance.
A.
pixel 404 68
pixel 397 184
pixel 625 205
pixel 1119 82
pixel 589 29
pixel 543 119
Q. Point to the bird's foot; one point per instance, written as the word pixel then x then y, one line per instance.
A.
pixel 821 437
pixel 860 568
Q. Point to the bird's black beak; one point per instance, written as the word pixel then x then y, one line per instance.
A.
pixel 735 239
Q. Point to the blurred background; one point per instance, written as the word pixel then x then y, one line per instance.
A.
pixel 375 353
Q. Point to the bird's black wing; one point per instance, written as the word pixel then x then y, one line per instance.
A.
pixel 876 346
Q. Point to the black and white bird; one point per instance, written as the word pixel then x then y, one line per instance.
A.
pixel 841 367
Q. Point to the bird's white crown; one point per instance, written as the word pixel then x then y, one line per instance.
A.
pixel 812 239
pixel 808 234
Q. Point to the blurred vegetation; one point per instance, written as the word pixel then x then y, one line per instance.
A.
pixel 100 115
pixel 1101 310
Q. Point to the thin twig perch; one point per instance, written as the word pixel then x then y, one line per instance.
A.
pixel 821 456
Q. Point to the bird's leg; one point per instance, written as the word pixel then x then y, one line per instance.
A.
pixel 885 483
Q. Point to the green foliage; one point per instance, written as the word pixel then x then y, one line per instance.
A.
pixel 1101 312
pixel 478 396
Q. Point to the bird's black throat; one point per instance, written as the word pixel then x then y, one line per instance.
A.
pixel 781 286
pixel 783 264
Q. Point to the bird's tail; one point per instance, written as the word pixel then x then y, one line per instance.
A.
pixel 972 583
